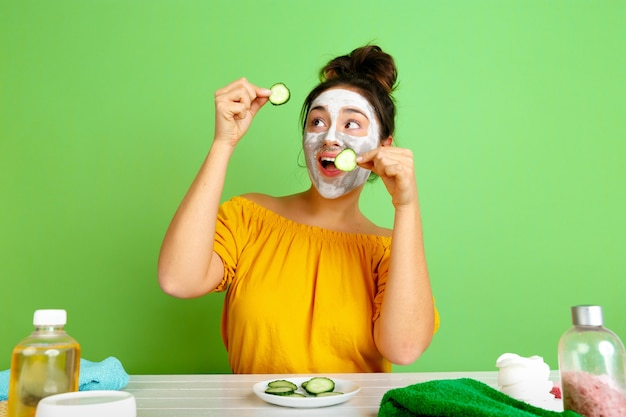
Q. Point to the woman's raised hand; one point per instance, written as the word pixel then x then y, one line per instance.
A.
pixel 395 166
pixel 235 106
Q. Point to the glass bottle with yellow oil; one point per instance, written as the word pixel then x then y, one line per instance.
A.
pixel 45 363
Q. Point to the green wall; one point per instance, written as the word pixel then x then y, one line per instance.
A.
pixel 515 111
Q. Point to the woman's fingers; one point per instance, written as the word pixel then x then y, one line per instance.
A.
pixel 236 97
pixel 235 106
pixel 395 166
pixel 379 159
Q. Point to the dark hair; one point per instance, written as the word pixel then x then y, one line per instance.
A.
pixel 372 73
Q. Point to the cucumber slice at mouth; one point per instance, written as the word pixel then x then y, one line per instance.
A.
pixel 346 160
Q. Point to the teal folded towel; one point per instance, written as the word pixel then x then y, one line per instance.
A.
pixel 457 397
pixel 106 375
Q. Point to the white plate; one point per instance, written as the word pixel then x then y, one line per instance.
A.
pixel 348 388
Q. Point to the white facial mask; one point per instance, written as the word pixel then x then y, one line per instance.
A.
pixel 333 101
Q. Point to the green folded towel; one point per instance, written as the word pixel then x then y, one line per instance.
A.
pixel 457 397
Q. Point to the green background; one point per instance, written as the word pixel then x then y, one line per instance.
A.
pixel 515 111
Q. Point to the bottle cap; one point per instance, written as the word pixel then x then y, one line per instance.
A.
pixel 587 316
pixel 50 317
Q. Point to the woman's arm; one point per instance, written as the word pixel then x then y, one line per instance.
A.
pixel 405 326
pixel 187 266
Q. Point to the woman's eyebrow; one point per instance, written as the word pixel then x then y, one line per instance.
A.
pixel 355 110
pixel 319 107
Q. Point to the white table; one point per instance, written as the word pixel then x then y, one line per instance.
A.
pixel 232 395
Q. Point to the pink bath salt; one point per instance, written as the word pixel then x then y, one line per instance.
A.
pixel 592 395
pixel 556 391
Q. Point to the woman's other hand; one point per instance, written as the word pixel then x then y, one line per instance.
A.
pixel 406 323
pixel 395 166
pixel 235 106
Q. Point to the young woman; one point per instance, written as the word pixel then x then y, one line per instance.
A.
pixel 312 285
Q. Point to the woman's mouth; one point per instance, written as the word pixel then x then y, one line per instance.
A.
pixel 327 166
pixel 327 163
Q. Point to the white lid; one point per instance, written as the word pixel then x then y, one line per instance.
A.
pixel 50 317
pixel 101 403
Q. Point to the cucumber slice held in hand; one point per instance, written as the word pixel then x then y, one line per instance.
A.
pixel 280 94
pixel 346 160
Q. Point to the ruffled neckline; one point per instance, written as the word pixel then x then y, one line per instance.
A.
pixel 280 220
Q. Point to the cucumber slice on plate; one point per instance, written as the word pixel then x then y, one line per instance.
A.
pixel 280 94
pixel 319 385
pixel 346 160
pixel 328 394
pixel 282 383
pixel 284 391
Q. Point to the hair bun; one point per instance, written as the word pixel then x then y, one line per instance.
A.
pixel 369 62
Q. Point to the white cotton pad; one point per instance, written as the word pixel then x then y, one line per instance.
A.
pixel 88 403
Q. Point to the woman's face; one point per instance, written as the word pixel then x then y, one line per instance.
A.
pixel 338 119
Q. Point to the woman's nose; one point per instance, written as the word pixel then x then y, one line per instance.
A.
pixel 332 137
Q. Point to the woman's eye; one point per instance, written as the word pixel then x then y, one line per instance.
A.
pixel 318 123
pixel 352 125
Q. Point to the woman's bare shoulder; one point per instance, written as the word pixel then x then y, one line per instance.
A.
pixel 264 200
pixel 272 203
pixel 291 207
pixel 257 197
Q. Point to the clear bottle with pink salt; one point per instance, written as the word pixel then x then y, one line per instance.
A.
pixel 592 365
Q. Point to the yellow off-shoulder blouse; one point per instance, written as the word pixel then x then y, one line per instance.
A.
pixel 300 299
